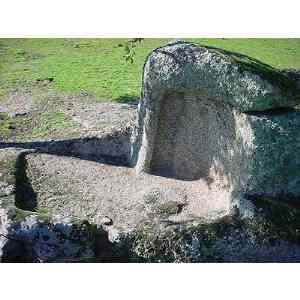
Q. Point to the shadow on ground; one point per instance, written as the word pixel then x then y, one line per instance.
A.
pixel 128 100
pixel 42 241
pixel 83 148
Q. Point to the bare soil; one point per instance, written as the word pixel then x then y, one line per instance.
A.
pixel 94 188
pixel 86 189
pixel 32 113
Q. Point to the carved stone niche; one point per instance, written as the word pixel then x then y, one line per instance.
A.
pixel 209 114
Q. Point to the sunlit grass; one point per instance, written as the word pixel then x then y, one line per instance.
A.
pixel 97 66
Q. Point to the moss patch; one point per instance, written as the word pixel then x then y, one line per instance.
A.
pixel 20 215
pixel 169 208
pixel 196 243
pixel 177 243
pixel 49 122
pixel 7 170
pixel 36 125
pixel 6 125
pixel 277 220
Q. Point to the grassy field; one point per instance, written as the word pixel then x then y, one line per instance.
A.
pixel 97 66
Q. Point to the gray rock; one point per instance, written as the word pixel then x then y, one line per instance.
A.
pixel 30 237
pixel 225 240
pixel 243 208
pixel 294 74
pixel 222 117
pixel 6 189
pixel 164 201
pixel 114 235
pixel 106 221
pixel 228 77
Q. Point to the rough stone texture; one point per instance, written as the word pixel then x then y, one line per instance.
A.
pixel 274 156
pixel 28 236
pixel 91 190
pixel 233 78
pixel 294 74
pixel 221 117
pixel 181 144
pixel 192 243
pixel 212 125
pixel 55 236
pixel 36 240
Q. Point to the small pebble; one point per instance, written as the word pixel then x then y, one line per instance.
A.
pixel 84 94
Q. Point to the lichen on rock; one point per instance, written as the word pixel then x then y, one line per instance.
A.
pixel 210 114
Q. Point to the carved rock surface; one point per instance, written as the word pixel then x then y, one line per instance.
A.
pixel 223 117
pixel 228 77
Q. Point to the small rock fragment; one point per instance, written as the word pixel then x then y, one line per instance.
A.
pixel 106 221
pixel 6 189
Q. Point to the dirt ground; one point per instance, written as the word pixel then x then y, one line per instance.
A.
pixel 70 186
pixel 44 114
pixel 75 185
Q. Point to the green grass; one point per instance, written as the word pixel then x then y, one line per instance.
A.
pixel 51 122
pixel 97 66
pixel 7 170
pixel 6 124
pixel 34 127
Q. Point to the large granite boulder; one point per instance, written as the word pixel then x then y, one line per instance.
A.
pixel 224 117
pixel 227 77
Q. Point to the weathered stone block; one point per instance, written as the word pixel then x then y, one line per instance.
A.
pixel 211 114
